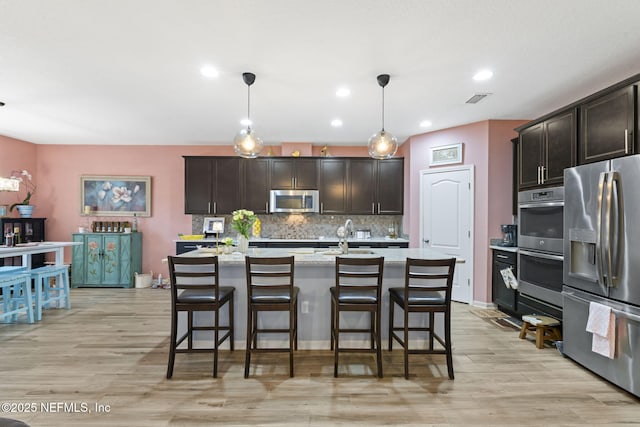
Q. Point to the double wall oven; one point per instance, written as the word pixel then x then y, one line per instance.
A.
pixel 540 250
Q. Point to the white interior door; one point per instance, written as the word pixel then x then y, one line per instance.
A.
pixel 446 221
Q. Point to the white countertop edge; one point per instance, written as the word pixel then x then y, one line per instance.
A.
pixel 330 240
pixel 391 255
pixel 504 248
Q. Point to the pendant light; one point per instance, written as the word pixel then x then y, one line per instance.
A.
pixel 382 145
pixel 246 143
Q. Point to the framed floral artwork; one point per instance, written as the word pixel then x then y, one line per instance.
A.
pixel 446 155
pixel 115 195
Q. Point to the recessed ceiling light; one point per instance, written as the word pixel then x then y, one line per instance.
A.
pixel 483 75
pixel 425 124
pixel 343 92
pixel 245 122
pixel 209 71
pixel 336 123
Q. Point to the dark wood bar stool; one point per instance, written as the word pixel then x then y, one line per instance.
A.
pixel 195 286
pixel 427 289
pixel 270 287
pixel 358 288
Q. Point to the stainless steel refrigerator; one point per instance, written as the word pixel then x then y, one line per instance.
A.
pixel 602 264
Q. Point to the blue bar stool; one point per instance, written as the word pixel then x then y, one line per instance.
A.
pixel 48 292
pixel 16 295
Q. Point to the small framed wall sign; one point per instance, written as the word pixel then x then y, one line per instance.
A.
pixel 446 155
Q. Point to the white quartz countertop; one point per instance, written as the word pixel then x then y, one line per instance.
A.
pixel 317 256
pixel 328 240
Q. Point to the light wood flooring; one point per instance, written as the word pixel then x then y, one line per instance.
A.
pixel 111 350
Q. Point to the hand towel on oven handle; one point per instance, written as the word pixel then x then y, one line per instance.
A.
pixel 602 324
pixel 508 278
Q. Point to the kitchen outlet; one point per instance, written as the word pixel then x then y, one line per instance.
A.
pixel 305 307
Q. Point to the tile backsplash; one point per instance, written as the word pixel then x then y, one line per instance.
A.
pixel 311 226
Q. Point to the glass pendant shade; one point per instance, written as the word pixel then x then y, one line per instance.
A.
pixel 382 145
pixel 247 144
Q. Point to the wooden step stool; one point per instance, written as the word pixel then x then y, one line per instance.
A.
pixel 544 328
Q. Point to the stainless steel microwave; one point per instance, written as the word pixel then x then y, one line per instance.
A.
pixel 297 201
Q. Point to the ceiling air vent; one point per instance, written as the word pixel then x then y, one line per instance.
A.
pixel 477 98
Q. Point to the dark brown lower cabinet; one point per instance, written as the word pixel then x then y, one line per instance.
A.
pixel 505 298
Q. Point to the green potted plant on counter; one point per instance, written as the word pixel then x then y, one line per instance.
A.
pixel 228 245
pixel 24 207
pixel 242 221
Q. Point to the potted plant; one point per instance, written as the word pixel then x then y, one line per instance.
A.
pixel 228 245
pixel 24 207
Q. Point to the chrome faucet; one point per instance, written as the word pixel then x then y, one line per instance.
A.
pixel 348 228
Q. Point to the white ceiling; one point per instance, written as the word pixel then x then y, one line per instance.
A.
pixel 128 71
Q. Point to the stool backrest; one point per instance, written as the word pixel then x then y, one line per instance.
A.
pixel 362 274
pixel 434 275
pixel 276 273
pixel 193 273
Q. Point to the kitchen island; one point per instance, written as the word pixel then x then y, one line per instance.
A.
pixel 314 274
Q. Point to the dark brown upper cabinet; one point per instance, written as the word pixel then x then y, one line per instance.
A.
pixel 545 150
pixel 211 185
pixel 376 187
pixel 362 186
pixel 333 186
pixel 294 173
pixel 608 126
pixel 256 185
pixel 390 187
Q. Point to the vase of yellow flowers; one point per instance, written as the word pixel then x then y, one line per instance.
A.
pixel 242 221
pixel 24 207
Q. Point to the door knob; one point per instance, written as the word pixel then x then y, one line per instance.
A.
pixel 426 241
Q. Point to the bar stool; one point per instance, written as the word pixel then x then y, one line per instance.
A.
pixel 48 292
pixel 427 289
pixel 358 288
pixel 195 286
pixel 270 287
pixel 16 295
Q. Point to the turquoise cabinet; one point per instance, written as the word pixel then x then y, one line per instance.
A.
pixel 106 259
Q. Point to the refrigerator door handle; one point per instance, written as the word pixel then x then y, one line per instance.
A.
pixel 607 220
pixel 617 313
pixel 599 265
pixel 615 264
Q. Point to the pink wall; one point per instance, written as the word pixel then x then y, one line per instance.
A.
pixel 482 140
pixel 17 155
